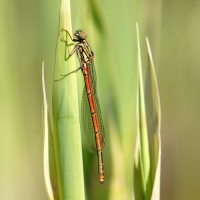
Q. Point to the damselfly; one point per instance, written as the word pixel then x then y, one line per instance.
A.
pixel 90 109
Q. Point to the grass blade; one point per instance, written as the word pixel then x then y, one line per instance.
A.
pixel 66 129
pixel 154 113
pixel 142 136
pixel 50 172
pixel 147 154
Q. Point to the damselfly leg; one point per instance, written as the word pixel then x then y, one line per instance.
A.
pixel 70 54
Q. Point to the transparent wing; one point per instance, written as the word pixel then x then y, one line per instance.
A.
pixel 87 125
pixel 93 77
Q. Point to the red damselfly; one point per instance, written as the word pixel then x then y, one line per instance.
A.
pixel 92 122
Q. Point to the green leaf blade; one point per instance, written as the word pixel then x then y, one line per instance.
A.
pixel 147 159
pixel 141 115
pixel 50 171
pixel 154 125
pixel 66 129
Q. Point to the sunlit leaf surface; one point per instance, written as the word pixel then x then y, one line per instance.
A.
pixel 66 130
pixel 147 154
pixel 50 171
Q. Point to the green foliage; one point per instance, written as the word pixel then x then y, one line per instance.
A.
pixel 119 110
pixel 66 132
pixel 28 35
pixel 148 145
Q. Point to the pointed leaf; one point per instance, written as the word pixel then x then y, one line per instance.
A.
pixel 142 127
pixel 66 130
pixel 154 123
pixel 147 154
pixel 50 172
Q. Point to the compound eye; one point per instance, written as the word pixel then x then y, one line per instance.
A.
pixel 76 34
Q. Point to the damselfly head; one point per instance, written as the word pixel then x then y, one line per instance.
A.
pixel 80 35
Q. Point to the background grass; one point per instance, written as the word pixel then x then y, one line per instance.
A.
pixel 28 35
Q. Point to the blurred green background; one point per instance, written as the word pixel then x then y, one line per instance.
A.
pixel 28 31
